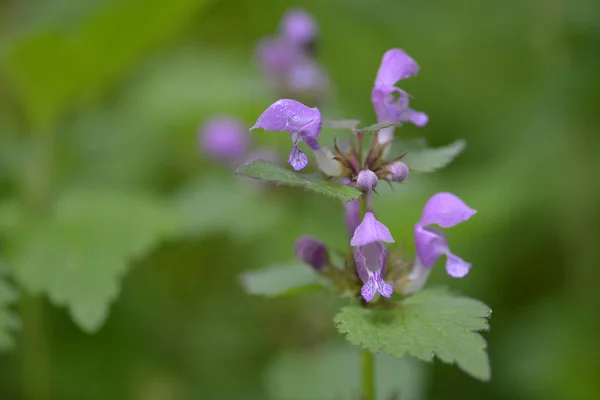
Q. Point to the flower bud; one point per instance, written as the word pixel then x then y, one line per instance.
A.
pixel 397 171
pixel 312 252
pixel 366 180
pixel 299 27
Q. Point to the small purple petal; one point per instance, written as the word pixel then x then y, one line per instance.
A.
pixel 445 210
pixel 299 27
pixel 224 138
pixel 370 230
pixel 312 252
pixel 366 180
pixel 395 65
pixel 368 290
pixel 298 159
pixel 456 266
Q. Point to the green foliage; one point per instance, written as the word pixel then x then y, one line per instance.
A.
pixel 432 322
pixel 332 372
pixel 270 172
pixel 225 205
pixel 420 158
pixel 79 253
pixel 280 280
pixel 375 128
pixel 54 67
pixel 8 319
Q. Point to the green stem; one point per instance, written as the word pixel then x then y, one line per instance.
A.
pixel 368 375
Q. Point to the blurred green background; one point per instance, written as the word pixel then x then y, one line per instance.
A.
pixel 105 199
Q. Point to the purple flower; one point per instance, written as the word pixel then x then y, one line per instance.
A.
pixel 445 210
pixel 366 180
pixel 278 56
pixel 225 139
pixel 312 252
pixel 390 102
pixel 370 256
pixel 298 26
pixel 303 124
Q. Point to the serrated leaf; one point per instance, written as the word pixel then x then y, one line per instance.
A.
pixel 333 372
pixel 270 172
pixel 241 213
pixel 375 128
pixel 432 322
pixel 79 253
pixel 423 159
pixel 341 123
pixel 280 280
pixel 9 321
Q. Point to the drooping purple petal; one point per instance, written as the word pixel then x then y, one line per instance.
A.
pixel 299 26
pixel 456 266
pixel 445 210
pixel 376 284
pixel 395 65
pixel 391 105
pixel 302 122
pixel 224 138
pixel 370 230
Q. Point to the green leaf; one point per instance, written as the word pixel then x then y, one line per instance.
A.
pixel 332 372
pixel 241 213
pixel 9 321
pixel 52 68
pixel 432 322
pixel 79 253
pixel 270 172
pixel 422 159
pixel 291 278
pixel 375 128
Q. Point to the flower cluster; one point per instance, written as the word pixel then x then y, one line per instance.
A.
pixel 372 272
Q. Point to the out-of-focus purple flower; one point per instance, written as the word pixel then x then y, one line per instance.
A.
pixel 445 210
pixel 312 252
pixel 278 55
pixel 390 102
pixel 366 180
pixel 225 139
pixel 352 215
pixel 370 256
pixel 302 122
pixel 397 172
pixel 306 76
pixel 298 26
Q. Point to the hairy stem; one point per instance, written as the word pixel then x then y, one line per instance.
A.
pixel 368 375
